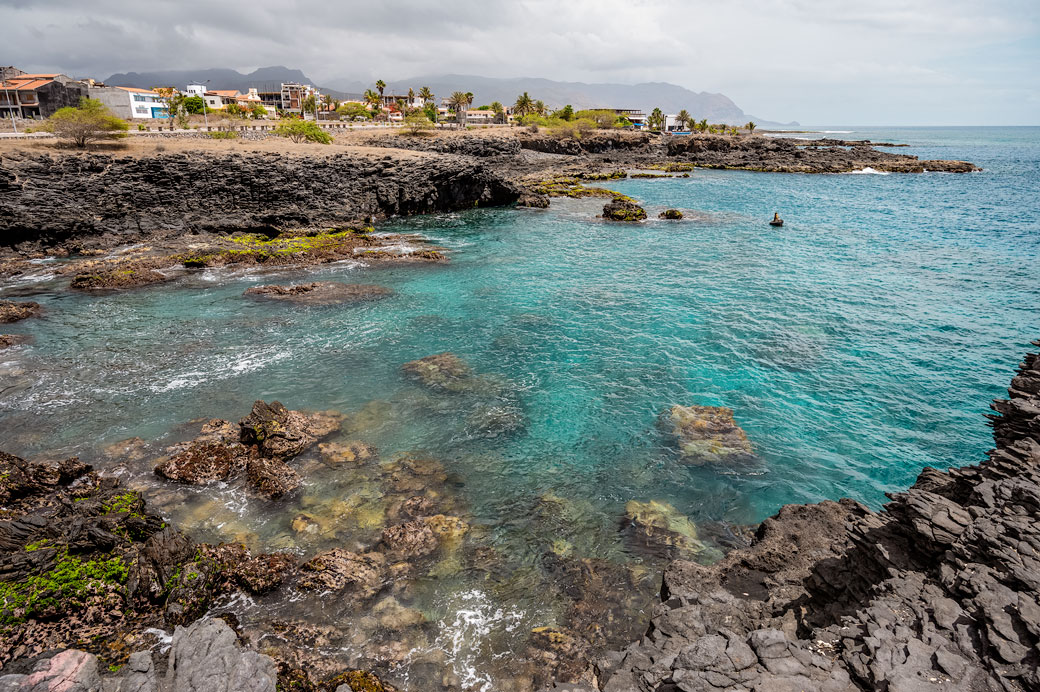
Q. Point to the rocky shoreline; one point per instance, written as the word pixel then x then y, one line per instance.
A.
pixel 938 591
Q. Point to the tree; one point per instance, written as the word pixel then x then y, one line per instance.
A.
pixel 523 106
pixel 425 94
pixel 88 121
pixel 352 110
pixel 656 120
pixel 411 95
pixel 751 126
pixel 257 111
pixel 380 85
pixel 500 112
pixel 195 105
pixel 566 113
pixel 327 101
pixel 171 99
pixel 539 107
pixel 683 119
pixel 301 130
pixel 703 125
pixel 458 102
pixel 234 110
pixel 604 119
pixel 416 123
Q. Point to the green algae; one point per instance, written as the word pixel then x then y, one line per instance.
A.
pixel 71 581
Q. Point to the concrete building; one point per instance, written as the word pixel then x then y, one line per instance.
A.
pixel 129 102
pixel 38 95
pixel 218 99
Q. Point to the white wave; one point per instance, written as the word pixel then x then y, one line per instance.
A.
pixel 463 636
pixel 399 249
pixel 867 171
pixel 837 132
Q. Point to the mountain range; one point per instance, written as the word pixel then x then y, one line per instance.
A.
pixel 670 98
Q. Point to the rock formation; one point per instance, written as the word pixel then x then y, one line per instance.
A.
pixel 938 591
pixel 11 311
pixel 673 214
pixel 707 435
pixel 320 293
pixel 619 209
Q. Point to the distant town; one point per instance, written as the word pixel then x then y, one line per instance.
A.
pixel 27 97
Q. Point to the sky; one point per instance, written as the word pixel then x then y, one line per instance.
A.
pixel 884 62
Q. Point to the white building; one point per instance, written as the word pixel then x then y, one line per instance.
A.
pixel 130 102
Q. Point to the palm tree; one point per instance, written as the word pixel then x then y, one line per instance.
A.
pixel 327 101
pixel 539 107
pixel 311 104
pixel 380 85
pixel 498 109
pixel 683 119
pixel 523 106
pixel 703 125
pixel 425 94
pixel 458 101
pixel 751 126
pixel 411 95
pixel 656 119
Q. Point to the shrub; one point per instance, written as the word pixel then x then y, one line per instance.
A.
pixel 354 111
pixel 90 120
pixel 224 134
pixel 141 127
pixel 302 130
pixel 417 123
pixel 604 119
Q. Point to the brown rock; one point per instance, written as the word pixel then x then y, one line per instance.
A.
pixel 271 477
pixel 707 434
pixel 340 570
pixel 11 311
pixel 117 278
pixel 336 453
pixel 203 462
pixel 440 371
pixel 321 293
pixel 411 539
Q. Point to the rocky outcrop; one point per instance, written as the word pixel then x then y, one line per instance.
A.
pixel 939 590
pixel 672 214
pixel 785 155
pixel 619 209
pixel 117 278
pixel 11 311
pixel 450 143
pixel 42 197
pixel 320 293
pixel 260 444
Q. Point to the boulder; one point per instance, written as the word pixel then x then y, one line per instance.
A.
pixel 320 293
pixel 271 477
pixel 533 200
pixel 11 311
pixel 9 340
pixel 410 540
pixel 619 209
pixel 207 657
pixel 673 214
pixel 203 462
pixel 707 435
pixel 280 433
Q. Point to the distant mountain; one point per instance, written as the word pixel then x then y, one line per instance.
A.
pixel 670 98
pixel 219 78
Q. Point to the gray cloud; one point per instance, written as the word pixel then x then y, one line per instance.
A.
pixel 887 61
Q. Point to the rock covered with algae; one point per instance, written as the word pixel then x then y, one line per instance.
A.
pixel 707 435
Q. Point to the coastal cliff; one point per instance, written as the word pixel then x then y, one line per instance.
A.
pixel 48 199
pixel 937 591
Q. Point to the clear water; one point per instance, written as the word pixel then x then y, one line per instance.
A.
pixel 858 344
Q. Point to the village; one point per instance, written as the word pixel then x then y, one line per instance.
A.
pixel 26 97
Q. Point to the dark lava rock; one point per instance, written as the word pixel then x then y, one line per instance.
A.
pixel 533 200
pixel 117 278
pixel 271 477
pixel 11 311
pixel 939 590
pixel 203 462
pixel 619 209
pixel 321 293
pixel 411 539
pixel 362 575
pixel 673 214
pixel 280 433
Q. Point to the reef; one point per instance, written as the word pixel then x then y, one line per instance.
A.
pixel 939 590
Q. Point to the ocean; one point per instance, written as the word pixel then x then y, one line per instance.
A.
pixel 858 344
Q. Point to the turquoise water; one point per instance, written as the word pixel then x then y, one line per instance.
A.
pixel 858 344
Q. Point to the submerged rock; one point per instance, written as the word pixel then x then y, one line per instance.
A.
pixel 11 311
pixel 659 529
pixel 410 540
pixel 117 278
pixel 336 453
pixel 440 371
pixel 707 435
pixel 673 214
pixel 341 570
pixel 9 340
pixel 619 209
pixel 321 293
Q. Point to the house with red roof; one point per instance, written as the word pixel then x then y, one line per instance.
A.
pixel 37 95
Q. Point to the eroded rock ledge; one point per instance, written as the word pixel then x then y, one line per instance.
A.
pixel 938 591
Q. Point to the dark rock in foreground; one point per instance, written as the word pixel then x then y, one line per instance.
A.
pixel 321 293
pixel 11 311
pixel 619 209
pixel 939 591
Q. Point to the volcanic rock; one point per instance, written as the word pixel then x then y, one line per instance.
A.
pixel 321 293
pixel 440 371
pixel 673 214
pixel 117 278
pixel 533 200
pixel 9 340
pixel 340 570
pixel 271 477
pixel 411 539
pixel 707 435
pixel 659 529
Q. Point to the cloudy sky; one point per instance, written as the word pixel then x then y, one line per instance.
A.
pixel 816 61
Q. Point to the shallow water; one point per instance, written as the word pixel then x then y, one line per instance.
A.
pixel 858 344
